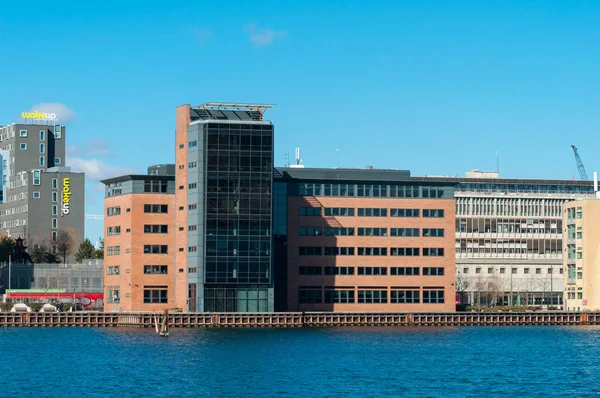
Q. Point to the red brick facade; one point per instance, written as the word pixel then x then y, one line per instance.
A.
pixel 389 283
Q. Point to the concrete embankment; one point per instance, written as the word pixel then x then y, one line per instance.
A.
pixel 296 319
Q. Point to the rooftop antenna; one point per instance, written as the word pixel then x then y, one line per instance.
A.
pixel 337 151
pixel 286 163
pixel 298 159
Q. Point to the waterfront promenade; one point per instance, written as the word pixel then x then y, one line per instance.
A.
pixel 295 320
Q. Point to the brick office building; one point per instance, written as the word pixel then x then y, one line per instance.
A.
pixel 139 253
pixel 362 240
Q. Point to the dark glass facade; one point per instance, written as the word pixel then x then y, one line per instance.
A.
pixel 238 173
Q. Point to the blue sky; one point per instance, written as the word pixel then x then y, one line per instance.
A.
pixel 436 87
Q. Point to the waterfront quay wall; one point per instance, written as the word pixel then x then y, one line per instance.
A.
pixel 295 319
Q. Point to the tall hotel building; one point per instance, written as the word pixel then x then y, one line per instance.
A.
pixel 139 243
pixel 224 183
pixel 39 195
pixel 509 237
pixel 363 240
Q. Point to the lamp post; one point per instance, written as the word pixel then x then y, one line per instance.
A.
pixel 9 273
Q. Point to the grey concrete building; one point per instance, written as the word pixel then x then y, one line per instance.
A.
pixel 40 195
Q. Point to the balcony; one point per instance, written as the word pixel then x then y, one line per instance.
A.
pixel 571 281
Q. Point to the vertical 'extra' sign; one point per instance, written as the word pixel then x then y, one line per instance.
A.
pixel 66 197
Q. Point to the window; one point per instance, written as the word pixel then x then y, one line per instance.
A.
pixel 192 144
pixel 372 296
pixel 23 146
pixel 404 271
pixel 372 232
pixel 192 249
pixel 310 211
pixel 338 270
pixel 42 161
pixel 433 232
pixel 435 271
pixel 526 271
pixel 54 197
pixel 155 186
pixel 372 251
pixel 156 208
pixel 433 296
pixel 310 270
pixel 513 270
pixel 23 133
pixel 155 295
pixel 155 249
pixel 404 251
pixel 404 213
pixel 579 214
pixel 155 269
pixel 478 270
pixel 338 251
pixel 579 255
pixel 36 194
pixel 580 275
pixel 579 235
pixel 490 270
pixel 330 231
pixel 54 183
pixel 538 271
pixel 338 296
pixel 111 231
pixel 181 146
pixel 192 186
pixel 310 250
pixel 339 212
pixel 433 213
pixel 57 160
pixel 57 132
pixel 36 177
pixel 433 251
pixel 193 206
pixel 372 271
pixel 42 135
pixel 191 165
pixel 155 229
pixel 404 231
pixel 113 250
pixel 310 296
pixel 311 231
pixel 113 211
pixel 114 270
pixel 191 228
pixel 192 270
pixel 404 297
pixel 42 148
pixel 54 210
pixel 372 212
pixel 502 270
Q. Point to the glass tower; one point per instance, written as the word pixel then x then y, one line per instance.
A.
pixel 233 188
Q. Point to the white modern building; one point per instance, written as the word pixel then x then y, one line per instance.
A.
pixel 509 237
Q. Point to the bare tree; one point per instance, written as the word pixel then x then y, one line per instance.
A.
pixel 462 284
pixel 544 286
pixel 65 243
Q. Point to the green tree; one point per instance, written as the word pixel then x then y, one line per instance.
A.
pixel 7 247
pixel 38 252
pixel 51 258
pixel 99 253
pixel 86 251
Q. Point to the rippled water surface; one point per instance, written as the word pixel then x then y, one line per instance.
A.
pixel 510 361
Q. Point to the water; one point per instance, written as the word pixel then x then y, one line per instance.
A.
pixel 469 361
